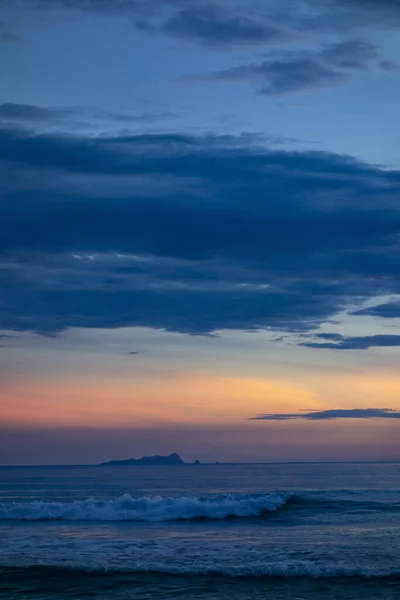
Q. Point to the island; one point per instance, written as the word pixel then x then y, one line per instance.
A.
pixel 172 459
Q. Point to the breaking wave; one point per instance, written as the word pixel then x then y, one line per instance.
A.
pixel 126 508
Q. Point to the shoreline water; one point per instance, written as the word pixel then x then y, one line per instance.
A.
pixel 299 531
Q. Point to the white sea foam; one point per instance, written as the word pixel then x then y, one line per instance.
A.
pixel 126 508
pixel 233 562
pixel 190 550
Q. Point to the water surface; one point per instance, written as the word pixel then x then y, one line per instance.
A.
pixel 287 531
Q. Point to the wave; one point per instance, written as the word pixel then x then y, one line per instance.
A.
pixel 127 508
pixel 157 508
pixel 266 570
pixel 316 504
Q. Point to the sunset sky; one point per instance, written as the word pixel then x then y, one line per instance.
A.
pixel 199 230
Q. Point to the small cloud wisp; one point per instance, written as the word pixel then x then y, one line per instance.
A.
pixel 329 415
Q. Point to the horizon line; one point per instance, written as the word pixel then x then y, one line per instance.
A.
pixel 210 464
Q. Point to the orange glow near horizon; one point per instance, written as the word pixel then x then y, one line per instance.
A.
pixel 188 398
pixel 183 398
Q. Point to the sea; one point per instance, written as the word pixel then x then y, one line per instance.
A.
pixel 255 531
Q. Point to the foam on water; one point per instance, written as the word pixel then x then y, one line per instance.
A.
pixel 231 565
pixel 126 508
pixel 189 553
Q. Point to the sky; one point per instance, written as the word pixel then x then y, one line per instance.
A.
pixel 199 230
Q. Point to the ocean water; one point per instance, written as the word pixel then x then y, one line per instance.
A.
pixel 270 531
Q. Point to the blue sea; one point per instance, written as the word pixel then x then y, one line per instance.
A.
pixel 270 531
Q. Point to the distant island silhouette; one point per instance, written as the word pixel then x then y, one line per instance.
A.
pixel 172 459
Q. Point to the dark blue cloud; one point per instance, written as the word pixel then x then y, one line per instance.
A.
pixel 41 308
pixel 296 72
pixel 227 25
pixel 44 119
pixel 29 112
pixel 387 65
pixel 287 194
pixel 350 54
pixel 258 22
pixel 218 26
pixel 355 343
pixel 338 16
pixel 389 8
pixel 390 310
pixel 285 76
pixel 7 34
pixel 189 233
pixel 328 415
pixel 143 117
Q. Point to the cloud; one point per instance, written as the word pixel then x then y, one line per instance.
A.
pixel 282 77
pixel 11 111
pixel 260 21
pixel 52 119
pixel 189 233
pixel 355 343
pixel 226 25
pixel 192 311
pixel 217 26
pixel 7 34
pixel 350 54
pixel 386 65
pixel 339 16
pixel 143 117
pixel 390 310
pixel 384 11
pixel 266 21
pixel 296 72
pixel 149 7
pixel 328 415
pixel 330 336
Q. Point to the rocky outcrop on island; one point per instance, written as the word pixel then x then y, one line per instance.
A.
pixel 172 459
